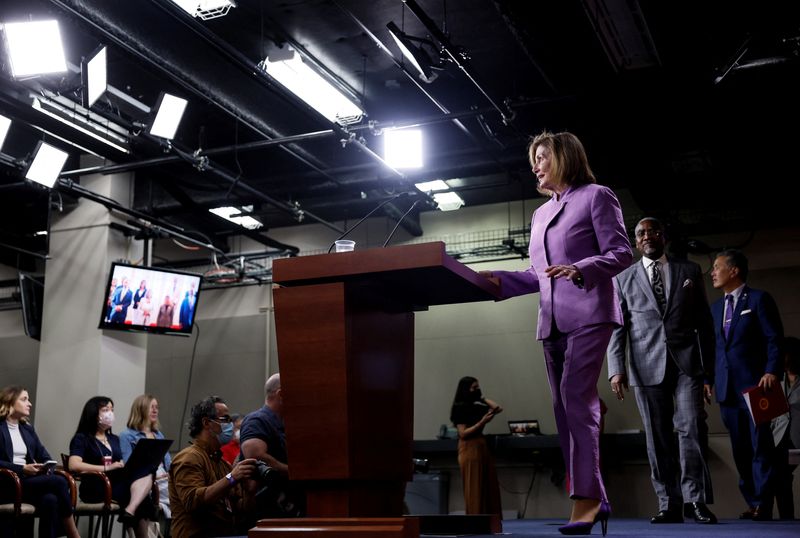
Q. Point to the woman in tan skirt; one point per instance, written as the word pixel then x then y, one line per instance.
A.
pixel 470 413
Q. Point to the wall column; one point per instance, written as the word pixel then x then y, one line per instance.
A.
pixel 76 359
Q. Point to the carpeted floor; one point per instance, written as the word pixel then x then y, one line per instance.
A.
pixel 535 528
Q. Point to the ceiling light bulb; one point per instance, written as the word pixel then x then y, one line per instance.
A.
pixel 431 186
pixel 301 79
pixel 448 201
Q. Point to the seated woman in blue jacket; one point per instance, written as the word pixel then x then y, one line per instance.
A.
pixel 143 424
pixel 22 452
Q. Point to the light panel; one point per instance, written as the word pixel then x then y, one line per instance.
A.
pixel 448 201
pixel 168 116
pixel 234 214
pixel 5 124
pixel 95 77
pixel 34 48
pixel 403 148
pixel 48 161
pixel 418 58
pixel 432 186
pixel 300 79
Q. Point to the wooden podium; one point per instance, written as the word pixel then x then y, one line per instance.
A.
pixel 345 335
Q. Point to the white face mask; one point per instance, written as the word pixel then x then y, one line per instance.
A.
pixel 107 418
pixel 236 435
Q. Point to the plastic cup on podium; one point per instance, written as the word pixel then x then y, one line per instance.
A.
pixel 345 245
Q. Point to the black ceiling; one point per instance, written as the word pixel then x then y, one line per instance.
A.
pixel 692 106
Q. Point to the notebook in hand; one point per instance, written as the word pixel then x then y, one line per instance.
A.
pixel 148 454
pixel 765 405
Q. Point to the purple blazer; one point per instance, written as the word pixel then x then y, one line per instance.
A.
pixel 583 228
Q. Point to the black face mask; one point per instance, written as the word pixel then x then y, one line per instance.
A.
pixel 476 396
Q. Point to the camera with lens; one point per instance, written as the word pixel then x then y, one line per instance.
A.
pixel 275 497
pixel 264 473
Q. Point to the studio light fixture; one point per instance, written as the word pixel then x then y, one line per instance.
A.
pixel 206 9
pixel 94 73
pixel 5 124
pixel 432 186
pixel 34 48
pixel 85 121
pixel 403 148
pixel 448 201
pixel 237 216
pixel 169 111
pixel 413 53
pixel 300 78
pixel 47 163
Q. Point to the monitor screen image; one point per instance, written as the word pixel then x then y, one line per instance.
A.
pixel 149 299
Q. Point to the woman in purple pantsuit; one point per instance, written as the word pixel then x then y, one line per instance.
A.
pixel 578 243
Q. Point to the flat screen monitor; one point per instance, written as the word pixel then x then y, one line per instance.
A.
pixel 149 299
pixel 31 290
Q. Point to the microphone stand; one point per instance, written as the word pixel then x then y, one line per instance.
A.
pixel 357 224
pixel 399 221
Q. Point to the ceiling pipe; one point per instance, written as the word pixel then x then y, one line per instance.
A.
pixel 69 186
pixel 236 183
pixel 517 33
pixel 261 144
pixel 455 57
pixel 232 91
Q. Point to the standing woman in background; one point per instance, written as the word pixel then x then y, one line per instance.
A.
pixel 22 452
pixel 578 244
pixel 143 424
pixel 469 414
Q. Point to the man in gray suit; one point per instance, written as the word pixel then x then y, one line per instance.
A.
pixel 668 324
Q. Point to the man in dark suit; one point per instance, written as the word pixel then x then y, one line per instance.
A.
pixel 749 331
pixel 668 325
pixel 187 308
pixel 122 299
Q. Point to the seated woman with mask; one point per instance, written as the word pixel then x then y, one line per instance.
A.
pixel 95 448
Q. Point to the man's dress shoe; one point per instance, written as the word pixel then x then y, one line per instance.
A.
pixel 762 514
pixel 700 513
pixel 667 516
pixel 747 514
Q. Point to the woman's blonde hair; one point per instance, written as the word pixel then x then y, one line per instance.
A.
pixel 140 413
pixel 568 162
pixel 8 397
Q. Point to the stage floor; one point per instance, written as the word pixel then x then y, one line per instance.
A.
pixel 731 528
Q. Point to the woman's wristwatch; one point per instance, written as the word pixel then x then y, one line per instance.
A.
pixel 231 479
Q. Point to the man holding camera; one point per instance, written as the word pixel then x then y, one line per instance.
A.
pixel 263 438
pixel 203 488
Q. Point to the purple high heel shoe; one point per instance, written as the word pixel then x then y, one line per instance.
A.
pixel 583 527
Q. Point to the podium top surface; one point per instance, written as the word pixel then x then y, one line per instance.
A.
pixel 423 273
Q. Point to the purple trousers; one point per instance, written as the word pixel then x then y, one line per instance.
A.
pixel 574 361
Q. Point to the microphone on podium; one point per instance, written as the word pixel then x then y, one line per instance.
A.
pixel 357 224
pixel 399 221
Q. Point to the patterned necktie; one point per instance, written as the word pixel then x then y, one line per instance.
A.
pixel 658 287
pixel 727 315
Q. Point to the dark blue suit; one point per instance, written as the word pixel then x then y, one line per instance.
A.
pixel 123 300
pixel 751 350
pixel 48 493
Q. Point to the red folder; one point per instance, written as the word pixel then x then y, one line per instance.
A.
pixel 765 405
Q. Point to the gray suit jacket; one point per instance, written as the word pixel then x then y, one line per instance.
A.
pixel 685 331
